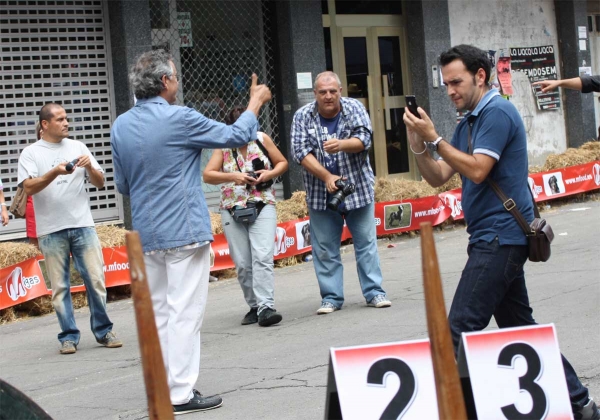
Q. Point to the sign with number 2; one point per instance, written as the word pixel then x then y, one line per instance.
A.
pixel 384 381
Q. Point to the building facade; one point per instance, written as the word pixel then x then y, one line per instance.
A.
pixel 78 52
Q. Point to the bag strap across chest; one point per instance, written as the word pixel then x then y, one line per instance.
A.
pixel 508 203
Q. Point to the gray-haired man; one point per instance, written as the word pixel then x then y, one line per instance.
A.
pixel 157 148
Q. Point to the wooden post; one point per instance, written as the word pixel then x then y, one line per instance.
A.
pixel 155 376
pixel 447 382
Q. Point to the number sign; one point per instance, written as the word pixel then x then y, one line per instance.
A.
pixel 382 381
pixel 516 373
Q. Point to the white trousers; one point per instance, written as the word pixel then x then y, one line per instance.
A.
pixel 178 284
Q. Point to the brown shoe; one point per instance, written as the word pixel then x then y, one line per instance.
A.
pixel 110 340
pixel 68 347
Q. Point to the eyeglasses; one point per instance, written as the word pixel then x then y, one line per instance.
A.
pixel 177 77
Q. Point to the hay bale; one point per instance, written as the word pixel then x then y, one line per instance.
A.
pixel 7 315
pixel 215 223
pixel 588 152
pixel 452 184
pixel 14 252
pixel 111 236
pixel 398 189
pixel 292 209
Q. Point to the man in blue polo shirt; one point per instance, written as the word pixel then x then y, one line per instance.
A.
pixel 489 142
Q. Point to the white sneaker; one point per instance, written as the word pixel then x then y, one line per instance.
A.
pixel 379 301
pixel 327 308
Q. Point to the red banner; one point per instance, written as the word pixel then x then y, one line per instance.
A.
pixel 24 281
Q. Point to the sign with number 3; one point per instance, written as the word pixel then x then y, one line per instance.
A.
pixel 384 381
pixel 516 373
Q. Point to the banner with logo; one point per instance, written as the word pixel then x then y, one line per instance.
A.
pixel 25 281
pixel 539 64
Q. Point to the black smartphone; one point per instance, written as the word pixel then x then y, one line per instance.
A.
pixel 411 104
pixel 70 165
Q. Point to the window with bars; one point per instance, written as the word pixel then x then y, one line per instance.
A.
pixel 216 46
pixel 55 51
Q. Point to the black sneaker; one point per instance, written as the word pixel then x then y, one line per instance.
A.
pixel 589 411
pixel 251 317
pixel 198 403
pixel 268 317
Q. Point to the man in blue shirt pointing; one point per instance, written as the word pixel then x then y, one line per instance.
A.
pixel 156 149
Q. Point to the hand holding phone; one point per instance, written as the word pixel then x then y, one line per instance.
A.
pixel 411 104
pixel 70 165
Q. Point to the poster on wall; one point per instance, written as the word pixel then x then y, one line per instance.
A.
pixel 539 64
pixel 184 24
pixel 504 75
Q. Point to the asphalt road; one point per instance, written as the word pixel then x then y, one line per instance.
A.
pixel 280 372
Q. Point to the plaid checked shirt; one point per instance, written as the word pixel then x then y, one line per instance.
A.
pixel 307 137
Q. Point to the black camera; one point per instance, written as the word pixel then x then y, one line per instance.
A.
pixel 344 190
pixel 257 165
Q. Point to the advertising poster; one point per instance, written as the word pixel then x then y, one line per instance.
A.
pixel 539 64
pixel 504 75
pixel 184 23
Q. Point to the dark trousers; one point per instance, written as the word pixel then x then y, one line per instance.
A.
pixel 493 283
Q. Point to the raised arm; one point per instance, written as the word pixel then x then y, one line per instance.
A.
pixel 259 95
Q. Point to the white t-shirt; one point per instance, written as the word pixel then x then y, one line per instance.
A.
pixel 64 203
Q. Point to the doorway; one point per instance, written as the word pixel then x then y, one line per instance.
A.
pixel 369 54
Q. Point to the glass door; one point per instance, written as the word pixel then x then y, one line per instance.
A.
pixel 373 69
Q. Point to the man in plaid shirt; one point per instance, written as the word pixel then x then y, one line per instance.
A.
pixel 331 139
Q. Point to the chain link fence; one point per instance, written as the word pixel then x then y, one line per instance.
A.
pixel 216 46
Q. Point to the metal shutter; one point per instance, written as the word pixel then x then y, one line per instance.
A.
pixel 56 51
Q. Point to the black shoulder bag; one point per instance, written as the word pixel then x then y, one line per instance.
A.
pixel 539 233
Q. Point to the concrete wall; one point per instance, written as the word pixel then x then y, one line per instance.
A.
pixel 501 24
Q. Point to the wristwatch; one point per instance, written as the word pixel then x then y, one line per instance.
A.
pixel 434 144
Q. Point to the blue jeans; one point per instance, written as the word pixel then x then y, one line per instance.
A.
pixel 84 245
pixel 326 233
pixel 251 249
pixel 493 284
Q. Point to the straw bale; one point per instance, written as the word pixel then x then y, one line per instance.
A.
pixel 215 223
pixel 588 152
pixel 14 252
pixel 534 169
pixel 398 189
pixel 289 261
pixel 7 315
pixel 292 209
pixel 111 236
pixel 452 184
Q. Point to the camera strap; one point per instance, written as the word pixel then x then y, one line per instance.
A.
pixel 262 149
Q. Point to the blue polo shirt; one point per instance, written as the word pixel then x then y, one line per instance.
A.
pixel 497 130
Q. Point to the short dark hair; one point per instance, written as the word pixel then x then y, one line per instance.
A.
pixel 46 113
pixel 472 57
pixel 233 114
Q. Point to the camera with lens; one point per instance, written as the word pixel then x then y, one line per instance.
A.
pixel 344 190
pixel 257 165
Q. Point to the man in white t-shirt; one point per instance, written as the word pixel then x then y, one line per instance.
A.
pixel 54 170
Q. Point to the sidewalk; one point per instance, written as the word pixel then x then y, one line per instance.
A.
pixel 280 372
